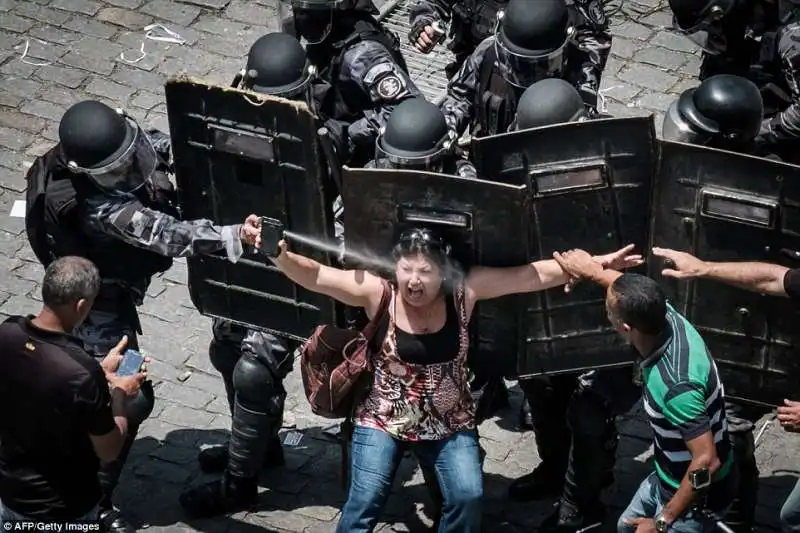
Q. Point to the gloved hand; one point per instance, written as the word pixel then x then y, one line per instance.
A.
pixel 425 34
pixel 340 138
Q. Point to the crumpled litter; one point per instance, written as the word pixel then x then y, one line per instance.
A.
pixel 25 54
pixel 167 36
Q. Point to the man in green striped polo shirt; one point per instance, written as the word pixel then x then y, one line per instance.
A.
pixel 683 399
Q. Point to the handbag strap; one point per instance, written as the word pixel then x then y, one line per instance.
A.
pixel 372 328
pixel 463 324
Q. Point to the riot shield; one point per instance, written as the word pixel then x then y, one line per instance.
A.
pixel 589 186
pixel 238 153
pixel 722 206
pixel 485 223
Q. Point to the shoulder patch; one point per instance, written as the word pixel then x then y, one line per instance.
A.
pixel 390 86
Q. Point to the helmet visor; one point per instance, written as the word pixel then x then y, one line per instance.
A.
pixel 523 70
pixel 130 170
pixel 675 128
pixel 308 20
pixel 432 161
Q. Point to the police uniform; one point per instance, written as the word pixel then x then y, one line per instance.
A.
pixel 102 193
pixel 572 41
pixel 469 23
pixel 725 111
pixel 253 363
pixel 361 73
pixel 756 40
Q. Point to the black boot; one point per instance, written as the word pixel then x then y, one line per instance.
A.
pixel 229 494
pixel 215 458
pixel 566 518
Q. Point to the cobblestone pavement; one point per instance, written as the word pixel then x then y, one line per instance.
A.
pixel 72 51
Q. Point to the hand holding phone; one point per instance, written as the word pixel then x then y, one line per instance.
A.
pixel 131 364
pixel 271 235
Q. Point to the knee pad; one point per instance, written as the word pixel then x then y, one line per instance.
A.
pixel 271 351
pixel 140 408
pixel 255 385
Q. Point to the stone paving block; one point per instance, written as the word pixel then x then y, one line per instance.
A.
pixel 9 40
pixel 69 77
pixel 212 23
pixel 624 48
pixel 632 30
pixel 41 14
pixel 159 430
pixel 139 79
pixel 94 28
pixel 33 272
pixel 13 160
pixel 285 520
pixel 114 91
pixel 233 47
pixel 211 384
pixel 53 34
pixel 45 110
pixel 673 41
pixel 16 68
pixel 172 11
pixel 648 77
pixel 655 101
pixel 12 180
pixel 15 284
pixel 242 11
pixel 184 395
pixel 662 58
pixel 17 24
pixel 127 4
pixel 124 17
pixel 20 86
pixel 9 100
pixel 19 305
pixel 22 121
pixel 87 7
pixel 183 416
pixel 14 139
pixel 147 100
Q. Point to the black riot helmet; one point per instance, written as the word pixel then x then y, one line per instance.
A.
pixel 277 65
pixel 106 145
pixel 416 137
pixel 703 21
pixel 725 111
pixel 549 101
pixel 530 40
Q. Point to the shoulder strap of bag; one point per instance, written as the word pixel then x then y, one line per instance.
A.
pixel 461 307
pixel 371 328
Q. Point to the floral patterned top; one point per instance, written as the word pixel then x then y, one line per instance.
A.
pixel 419 402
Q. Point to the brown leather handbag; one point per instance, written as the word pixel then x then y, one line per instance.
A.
pixel 335 364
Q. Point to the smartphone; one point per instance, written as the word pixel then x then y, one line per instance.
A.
pixel 131 363
pixel 271 235
pixel 700 479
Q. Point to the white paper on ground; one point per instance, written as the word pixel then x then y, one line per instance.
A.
pixel 18 209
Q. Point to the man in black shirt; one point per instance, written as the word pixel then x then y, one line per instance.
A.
pixel 765 278
pixel 61 412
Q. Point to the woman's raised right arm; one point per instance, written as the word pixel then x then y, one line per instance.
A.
pixel 356 288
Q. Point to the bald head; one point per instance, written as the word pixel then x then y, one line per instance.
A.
pixel 68 280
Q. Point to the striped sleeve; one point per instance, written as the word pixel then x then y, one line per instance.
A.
pixel 685 408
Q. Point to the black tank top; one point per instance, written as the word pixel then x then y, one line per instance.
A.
pixel 429 348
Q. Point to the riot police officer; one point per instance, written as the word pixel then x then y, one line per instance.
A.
pixel 362 74
pixel 102 193
pixel 416 137
pixel 756 40
pixel 725 112
pixel 252 363
pixel 532 41
pixel 549 101
pixel 572 416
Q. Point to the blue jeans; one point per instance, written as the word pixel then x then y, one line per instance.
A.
pixel 10 515
pixel 375 458
pixel 647 503
pixel 790 512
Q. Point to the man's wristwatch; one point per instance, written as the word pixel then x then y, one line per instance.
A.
pixel 662 526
